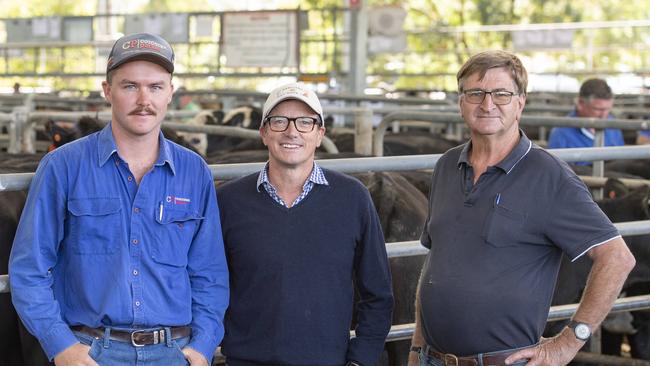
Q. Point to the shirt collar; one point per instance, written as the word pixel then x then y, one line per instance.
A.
pixel 317 176
pixel 509 162
pixel 107 147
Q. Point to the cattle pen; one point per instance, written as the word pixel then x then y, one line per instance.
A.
pixel 9 182
pixel 370 140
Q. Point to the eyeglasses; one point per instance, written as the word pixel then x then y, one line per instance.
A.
pixel 281 123
pixel 500 97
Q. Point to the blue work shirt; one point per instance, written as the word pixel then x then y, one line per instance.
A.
pixel 94 248
pixel 567 137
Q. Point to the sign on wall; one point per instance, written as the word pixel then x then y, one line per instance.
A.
pixel 42 29
pixel 260 39
pixel 542 39
pixel 172 27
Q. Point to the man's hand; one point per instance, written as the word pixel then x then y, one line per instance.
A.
pixel 75 355
pixel 194 357
pixel 556 351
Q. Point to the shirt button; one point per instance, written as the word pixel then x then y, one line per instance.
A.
pixel 134 241
pixel 130 178
pixel 136 210
pixel 135 272
pixel 137 303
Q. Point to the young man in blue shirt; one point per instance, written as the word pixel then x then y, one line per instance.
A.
pixel 300 240
pixel 118 258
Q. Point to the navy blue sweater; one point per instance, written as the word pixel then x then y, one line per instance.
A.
pixel 293 273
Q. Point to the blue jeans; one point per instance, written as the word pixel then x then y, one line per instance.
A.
pixel 107 352
pixel 428 361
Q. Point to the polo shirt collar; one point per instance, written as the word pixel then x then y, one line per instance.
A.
pixel 107 147
pixel 516 155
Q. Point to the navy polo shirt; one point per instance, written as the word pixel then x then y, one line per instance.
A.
pixel 495 247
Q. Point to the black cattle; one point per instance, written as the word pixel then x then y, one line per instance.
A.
pixel 249 117
pixel 638 167
pixel 403 143
pixel 633 206
pixel 63 132
pixel 402 210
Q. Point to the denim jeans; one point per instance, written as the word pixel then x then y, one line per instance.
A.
pixel 428 361
pixel 107 352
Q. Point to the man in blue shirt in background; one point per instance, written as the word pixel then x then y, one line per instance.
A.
pixel 118 258
pixel 595 100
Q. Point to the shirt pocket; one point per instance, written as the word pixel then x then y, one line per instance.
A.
pixel 503 227
pixel 175 228
pixel 95 225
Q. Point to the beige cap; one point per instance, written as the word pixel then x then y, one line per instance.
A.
pixel 292 91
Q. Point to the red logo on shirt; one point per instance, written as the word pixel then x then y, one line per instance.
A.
pixel 178 200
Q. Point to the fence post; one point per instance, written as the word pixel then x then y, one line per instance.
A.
pixel 28 133
pixel 363 131
pixel 599 165
pixel 18 119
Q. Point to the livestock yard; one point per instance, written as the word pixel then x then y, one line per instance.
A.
pixel 388 136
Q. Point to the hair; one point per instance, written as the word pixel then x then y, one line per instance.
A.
pixel 482 62
pixel 595 89
pixel 109 77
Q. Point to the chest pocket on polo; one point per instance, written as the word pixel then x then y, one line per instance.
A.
pixel 503 227
pixel 94 225
pixel 175 231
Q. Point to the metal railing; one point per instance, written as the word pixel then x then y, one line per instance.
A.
pixel 526 120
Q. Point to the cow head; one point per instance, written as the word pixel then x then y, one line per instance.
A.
pixel 63 132
pixel 246 116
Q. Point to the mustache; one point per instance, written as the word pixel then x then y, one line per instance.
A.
pixel 145 110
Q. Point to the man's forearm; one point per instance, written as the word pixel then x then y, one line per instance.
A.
pixel 612 264
pixel 418 339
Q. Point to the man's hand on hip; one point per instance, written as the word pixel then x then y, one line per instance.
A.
pixel 556 351
pixel 194 357
pixel 75 355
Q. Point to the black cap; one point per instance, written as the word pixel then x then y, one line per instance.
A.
pixel 141 46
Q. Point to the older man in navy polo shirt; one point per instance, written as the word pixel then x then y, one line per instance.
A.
pixel 502 213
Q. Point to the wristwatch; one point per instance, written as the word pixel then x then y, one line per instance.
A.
pixel 580 330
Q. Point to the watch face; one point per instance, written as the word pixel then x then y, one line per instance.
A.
pixel 582 331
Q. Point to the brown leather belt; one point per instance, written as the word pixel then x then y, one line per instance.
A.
pixel 492 359
pixel 137 338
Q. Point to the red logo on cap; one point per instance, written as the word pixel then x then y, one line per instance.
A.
pixel 143 43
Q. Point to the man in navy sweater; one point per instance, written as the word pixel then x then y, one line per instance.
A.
pixel 299 240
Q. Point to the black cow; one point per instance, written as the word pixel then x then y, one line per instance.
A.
pixel 63 132
pixel 403 143
pixel 632 206
pixel 18 347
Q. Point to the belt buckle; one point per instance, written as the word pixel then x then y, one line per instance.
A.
pixel 450 359
pixel 133 338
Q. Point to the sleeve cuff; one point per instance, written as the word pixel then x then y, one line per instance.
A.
pixel 57 340
pixel 205 346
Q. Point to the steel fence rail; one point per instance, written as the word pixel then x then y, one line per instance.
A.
pixel 413 247
pixel 12 182
pixel 104 117
pixel 526 120
pixel 405 331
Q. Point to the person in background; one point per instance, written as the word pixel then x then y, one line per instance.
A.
pixel 502 213
pixel 595 100
pixel 643 137
pixel 185 101
pixel 300 240
pixel 118 258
